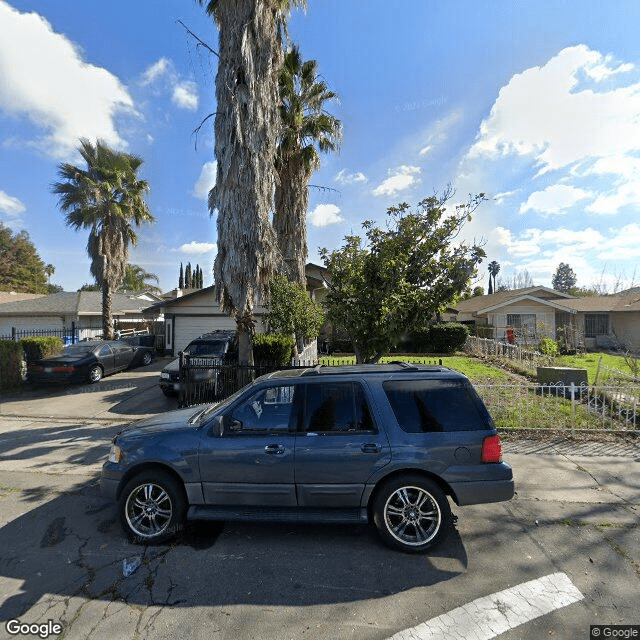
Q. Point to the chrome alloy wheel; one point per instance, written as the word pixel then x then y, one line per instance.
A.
pixel 412 516
pixel 148 510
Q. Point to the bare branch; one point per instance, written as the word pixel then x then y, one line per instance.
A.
pixel 196 131
pixel 201 43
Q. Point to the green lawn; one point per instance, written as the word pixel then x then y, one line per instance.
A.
pixel 589 361
pixel 473 368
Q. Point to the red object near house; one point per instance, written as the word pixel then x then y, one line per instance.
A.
pixel 511 338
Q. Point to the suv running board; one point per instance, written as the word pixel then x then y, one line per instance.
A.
pixel 283 514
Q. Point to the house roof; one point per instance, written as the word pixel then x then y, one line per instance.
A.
pixel 501 298
pixel 74 303
pixel 624 301
pixel 14 296
pixel 628 300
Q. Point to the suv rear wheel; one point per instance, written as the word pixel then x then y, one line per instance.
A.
pixel 152 507
pixel 411 513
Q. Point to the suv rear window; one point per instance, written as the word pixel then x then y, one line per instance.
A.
pixel 436 405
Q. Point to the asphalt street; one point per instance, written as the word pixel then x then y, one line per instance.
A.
pixel 570 536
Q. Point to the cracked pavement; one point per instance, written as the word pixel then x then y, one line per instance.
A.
pixel 62 549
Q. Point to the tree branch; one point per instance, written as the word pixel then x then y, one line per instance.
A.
pixel 201 43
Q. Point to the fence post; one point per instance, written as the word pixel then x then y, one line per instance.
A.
pixel 73 332
pixel 573 409
pixel 13 334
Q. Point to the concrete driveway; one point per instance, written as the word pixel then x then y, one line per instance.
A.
pixel 573 524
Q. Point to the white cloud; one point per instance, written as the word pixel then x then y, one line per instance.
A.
pixel 350 178
pixel 426 150
pixel 623 244
pixel 44 77
pixel 570 122
pixel 325 214
pixel 555 199
pixel 162 67
pixel 185 95
pixel 198 248
pixel 10 205
pixel 400 179
pixel 530 242
pixel 206 181
pixel 162 75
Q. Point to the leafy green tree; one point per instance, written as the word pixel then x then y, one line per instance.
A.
pixel 407 272
pixel 21 268
pixel 136 279
pixel 247 125
pixel 564 279
pixel 106 197
pixel 292 311
pixel 306 129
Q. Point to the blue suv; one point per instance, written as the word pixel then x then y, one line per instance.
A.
pixel 386 444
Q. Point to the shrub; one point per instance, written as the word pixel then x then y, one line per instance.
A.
pixel 11 354
pixel 549 347
pixel 37 348
pixel 447 337
pixel 273 347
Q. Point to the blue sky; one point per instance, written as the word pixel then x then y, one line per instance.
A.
pixel 535 104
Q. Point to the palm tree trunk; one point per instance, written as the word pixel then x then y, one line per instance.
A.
pixel 246 126
pixel 290 218
pixel 107 316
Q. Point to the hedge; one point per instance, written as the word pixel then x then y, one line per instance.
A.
pixel 10 364
pixel 37 348
pixel 273 347
pixel 447 337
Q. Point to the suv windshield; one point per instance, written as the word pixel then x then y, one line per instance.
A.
pixel 216 348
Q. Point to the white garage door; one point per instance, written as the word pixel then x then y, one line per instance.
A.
pixel 189 327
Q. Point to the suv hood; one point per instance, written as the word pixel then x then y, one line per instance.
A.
pixel 170 421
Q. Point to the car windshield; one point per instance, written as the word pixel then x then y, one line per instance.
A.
pixel 206 348
pixel 78 349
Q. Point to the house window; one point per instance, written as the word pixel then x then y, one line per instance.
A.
pixel 522 321
pixel 168 334
pixel 596 324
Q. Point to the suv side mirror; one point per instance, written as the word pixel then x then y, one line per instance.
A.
pixel 217 428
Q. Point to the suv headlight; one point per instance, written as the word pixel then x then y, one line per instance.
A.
pixel 115 454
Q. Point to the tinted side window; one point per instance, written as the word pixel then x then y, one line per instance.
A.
pixel 436 405
pixel 268 411
pixel 336 407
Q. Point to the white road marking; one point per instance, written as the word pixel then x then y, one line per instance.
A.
pixel 488 617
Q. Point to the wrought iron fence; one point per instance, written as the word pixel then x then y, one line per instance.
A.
pixel 69 335
pixel 484 347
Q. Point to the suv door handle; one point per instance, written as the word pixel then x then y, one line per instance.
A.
pixel 371 447
pixel 276 449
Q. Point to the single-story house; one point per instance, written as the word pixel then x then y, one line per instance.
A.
pixel 188 316
pixel 533 312
pixel 58 312
pixel 192 314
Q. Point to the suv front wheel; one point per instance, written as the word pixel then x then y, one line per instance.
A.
pixel 152 507
pixel 411 513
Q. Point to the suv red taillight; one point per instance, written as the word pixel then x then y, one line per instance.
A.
pixel 491 449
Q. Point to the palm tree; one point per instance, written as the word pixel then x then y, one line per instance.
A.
pixel 306 125
pixel 135 279
pixel 246 129
pixel 494 268
pixel 107 198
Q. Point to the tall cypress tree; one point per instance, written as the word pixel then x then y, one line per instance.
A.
pixel 181 279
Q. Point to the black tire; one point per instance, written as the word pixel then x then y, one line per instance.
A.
pixel 95 374
pixel 411 513
pixel 152 507
pixel 146 358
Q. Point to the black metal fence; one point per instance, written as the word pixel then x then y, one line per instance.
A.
pixel 67 335
pixel 203 380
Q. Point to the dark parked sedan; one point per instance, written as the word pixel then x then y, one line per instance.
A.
pixel 89 361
